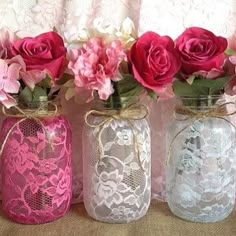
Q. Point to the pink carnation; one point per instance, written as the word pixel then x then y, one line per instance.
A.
pixel 96 64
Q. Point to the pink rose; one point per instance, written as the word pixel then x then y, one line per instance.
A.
pixel 154 60
pixel 44 52
pixel 95 65
pixel 201 51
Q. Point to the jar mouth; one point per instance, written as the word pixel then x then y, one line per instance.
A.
pixel 201 97
pixel 40 107
pixel 201 102
pixel 115 103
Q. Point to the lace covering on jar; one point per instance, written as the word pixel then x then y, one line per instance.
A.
pixel 200 172
pixel 36 169
pixel 117 182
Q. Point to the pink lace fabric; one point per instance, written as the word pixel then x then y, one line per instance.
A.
pixel 36 169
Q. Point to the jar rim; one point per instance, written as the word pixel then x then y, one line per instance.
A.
pixel 115 102
pixel 201 102
pixel 201 97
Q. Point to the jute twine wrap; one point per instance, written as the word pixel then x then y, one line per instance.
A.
pixel 29 114
pixel 129 114
pixel 192 115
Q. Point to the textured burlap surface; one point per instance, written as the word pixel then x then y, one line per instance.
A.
pixel 159 221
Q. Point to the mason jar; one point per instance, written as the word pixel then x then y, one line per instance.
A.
pixel 201 160
pixel 36 163
pixel 117 162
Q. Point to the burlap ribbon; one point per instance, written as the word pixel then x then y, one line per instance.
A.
pixel 28 114
pixel 132 112
pixel 192 115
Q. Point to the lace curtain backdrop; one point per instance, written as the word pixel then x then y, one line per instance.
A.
pixel 171 17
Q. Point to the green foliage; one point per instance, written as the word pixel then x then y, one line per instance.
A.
pixel 27 95
pixel 45 83
pixel 128 86
pixel 152 94
pixel 200 86
pixel 230 52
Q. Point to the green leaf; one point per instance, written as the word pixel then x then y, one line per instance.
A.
pixel 64 79
pixel 45 83
pixel 26 95
pixel 38 92
pixel 200 86
pixel 182 88
pixel 128 86
pixel 152 94
pixel 230 52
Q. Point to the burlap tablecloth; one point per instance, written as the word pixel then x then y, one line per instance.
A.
pixel 159 221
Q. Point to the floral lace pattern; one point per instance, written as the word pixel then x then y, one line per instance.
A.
pixel 200 173
pixel 36 169
pixel 117 183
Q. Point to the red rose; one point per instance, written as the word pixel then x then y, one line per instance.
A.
pixel 154 60
pixel 201 50
pixel 46 51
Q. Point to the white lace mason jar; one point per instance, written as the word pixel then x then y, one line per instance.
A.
pixel 117 163
pixel 201 160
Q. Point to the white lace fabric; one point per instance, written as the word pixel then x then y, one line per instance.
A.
pixel 201 167
pixel 117 170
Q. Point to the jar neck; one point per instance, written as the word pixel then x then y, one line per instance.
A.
pixel 115 103
pixel 201 102
pixel 40 107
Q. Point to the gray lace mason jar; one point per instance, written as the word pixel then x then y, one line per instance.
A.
pixel 117 163
pixel 201 160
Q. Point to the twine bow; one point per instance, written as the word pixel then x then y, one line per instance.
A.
pixel 133 112
pixel 29 114
pixel 193 115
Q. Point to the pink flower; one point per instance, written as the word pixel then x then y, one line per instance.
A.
pixel 32 77
pixel 9 79
pixel 45 52
pixel 9 74
pixel 201 52
pixel 154 61
pixel 6 40
pixel 7 100
pixel 96 64
pixel 230 87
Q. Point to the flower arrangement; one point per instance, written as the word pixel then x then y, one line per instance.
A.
pixel 115 63
pixel 111 64
pixel 206 64
pixel 30 67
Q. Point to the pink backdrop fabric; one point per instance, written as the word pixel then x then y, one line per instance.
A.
pixel 171 17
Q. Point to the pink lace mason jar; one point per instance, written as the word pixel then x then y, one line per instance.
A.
pixel 117 163
pixel 36 164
